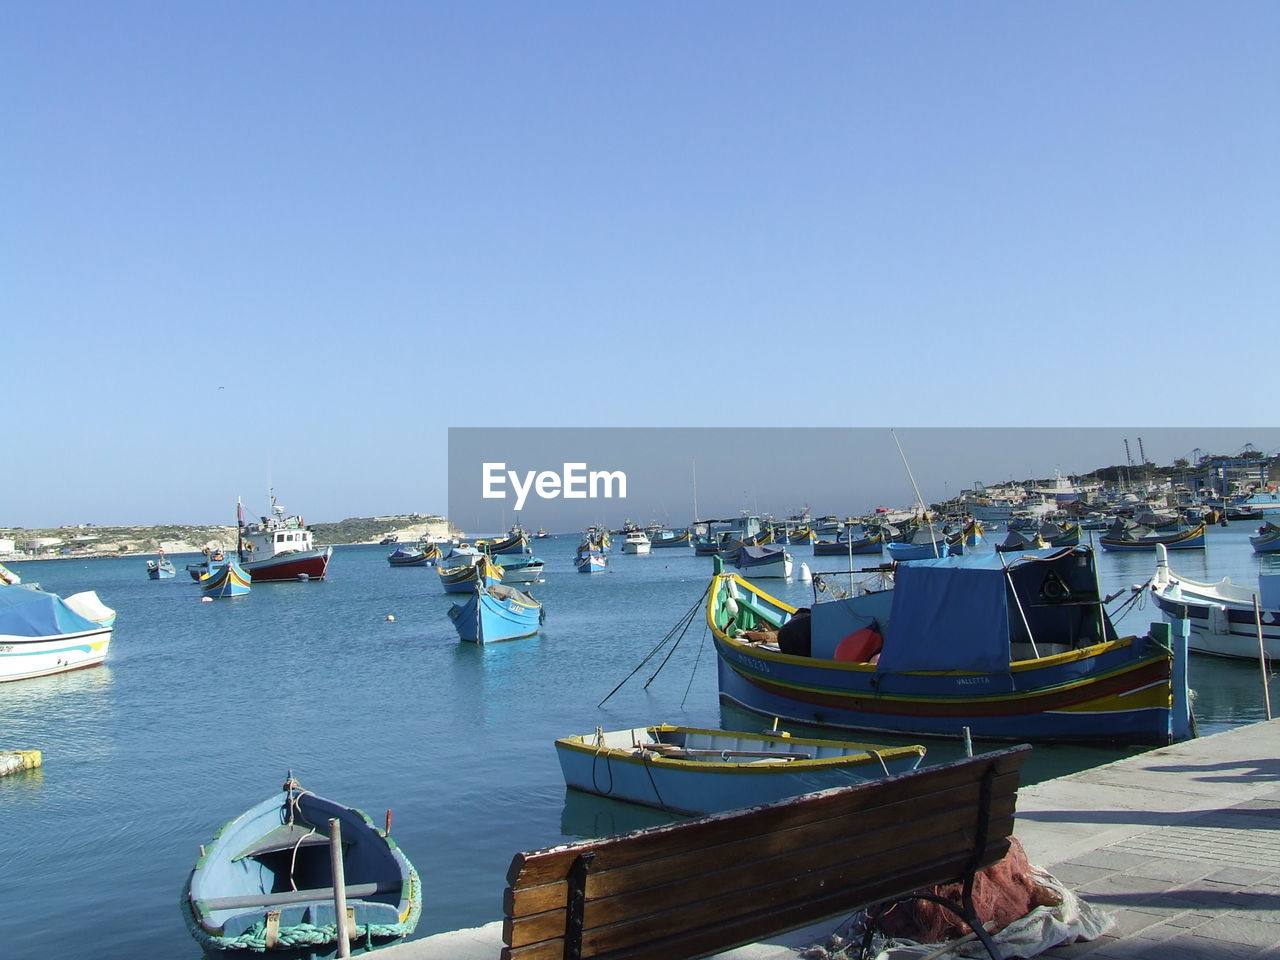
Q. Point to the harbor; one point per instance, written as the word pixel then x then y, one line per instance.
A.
pixel 202 709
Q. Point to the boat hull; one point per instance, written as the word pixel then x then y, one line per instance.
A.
pixel 1192 539
pixel 163 570
pixel 301 565
pixel 732 780
pixel 1224 630
pixel 226 579
pixel 923 551
pixel 22 658
pixel 520 572
pixel 1126 704
pixel 778 569
pixel 836 548
pixel 491 616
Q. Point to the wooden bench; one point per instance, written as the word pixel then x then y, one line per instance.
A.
pixel 699 887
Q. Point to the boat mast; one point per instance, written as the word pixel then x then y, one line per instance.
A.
pixel 919 499
pixel 696 518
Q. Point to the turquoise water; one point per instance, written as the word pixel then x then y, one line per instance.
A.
pixel 203 707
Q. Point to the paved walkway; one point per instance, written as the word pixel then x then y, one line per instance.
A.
pixel 1180 844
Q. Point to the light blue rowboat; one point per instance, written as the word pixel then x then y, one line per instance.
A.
pixel 921 547
pixel 225 579
pixel 161 568
pixel 695 771
pixel 497 612
pixel 274 860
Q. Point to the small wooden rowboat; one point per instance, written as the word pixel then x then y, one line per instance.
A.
pixel 265 881
pixel 695 771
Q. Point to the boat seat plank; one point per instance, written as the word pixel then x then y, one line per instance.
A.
pixel 355 891
pixel 287 836
pixel 706 885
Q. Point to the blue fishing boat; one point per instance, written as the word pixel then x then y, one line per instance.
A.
pixel 1267 539
pixel 265 883
pixel 925 544
pixel 843 546
pixel 463 579
pixel 1142 538
pixel 768 560
pixel 41 633
pixel 1019 649
pixel 161 568
pixel 1060 534
pixel 494 613
pixel 412 556
pixel 211 555
pixel 590 559
pixel 693 771
pixel 516 541
pixel 225 579
pixel 668 538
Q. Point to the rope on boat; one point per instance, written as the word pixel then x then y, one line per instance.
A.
pixel 301 935
pixel 681 625
pixel 1139 593
pixel 883 766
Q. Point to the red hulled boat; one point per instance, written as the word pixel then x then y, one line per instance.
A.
pixel 281 548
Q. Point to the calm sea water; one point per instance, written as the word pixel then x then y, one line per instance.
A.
pixel 202 708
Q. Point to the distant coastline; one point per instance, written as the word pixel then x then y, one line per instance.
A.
pixel 19 545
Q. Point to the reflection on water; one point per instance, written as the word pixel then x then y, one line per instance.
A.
pixel 586 815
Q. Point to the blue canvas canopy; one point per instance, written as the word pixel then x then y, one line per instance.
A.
pixel 34 613
pixel 958 613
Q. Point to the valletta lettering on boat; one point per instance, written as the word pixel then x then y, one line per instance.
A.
pixel 575 482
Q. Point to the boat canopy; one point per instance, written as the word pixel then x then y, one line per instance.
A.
pixel 762 552
pixel 958 613
pixel 34 613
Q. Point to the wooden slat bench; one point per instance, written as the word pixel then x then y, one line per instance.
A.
pixel 699 887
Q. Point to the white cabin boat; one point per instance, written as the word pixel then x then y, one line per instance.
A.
pixel 1221 614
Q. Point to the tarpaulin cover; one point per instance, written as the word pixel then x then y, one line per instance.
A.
pixel 950 614
pixel 33 613
pixel 765 552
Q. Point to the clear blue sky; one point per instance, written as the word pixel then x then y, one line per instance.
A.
pixel 294 242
